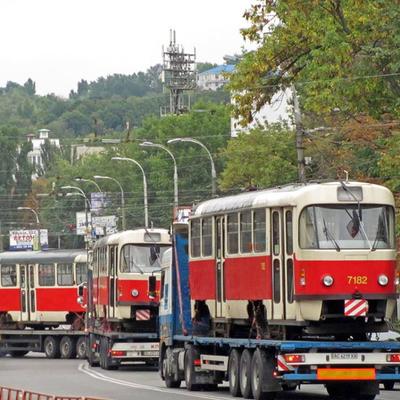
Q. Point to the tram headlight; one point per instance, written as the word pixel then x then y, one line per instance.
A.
pixel 383 280
pixel 327 280
pixel 135 293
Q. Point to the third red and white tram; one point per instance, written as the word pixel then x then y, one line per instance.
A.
pixel 316 258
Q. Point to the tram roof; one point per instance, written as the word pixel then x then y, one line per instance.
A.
pixel 42 256
pixel 288 195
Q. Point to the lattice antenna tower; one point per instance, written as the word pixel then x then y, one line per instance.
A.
pixel 178 76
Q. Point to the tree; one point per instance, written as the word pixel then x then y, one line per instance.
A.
pixel 339 54
pixel 30 87
pixel 263 158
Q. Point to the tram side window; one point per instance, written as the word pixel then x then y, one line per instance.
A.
pixel 195 238
pixel 275 233
pixel 47 275
pixel 245 232
pixel 289 233
pixel 259 232
pixel 8 275
pixel 64 275
pixel 81 273
pixel 233 233
pixel 206 233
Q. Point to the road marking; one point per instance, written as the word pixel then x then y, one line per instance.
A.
pixel 97 375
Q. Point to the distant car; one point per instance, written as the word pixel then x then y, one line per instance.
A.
pixel 391 335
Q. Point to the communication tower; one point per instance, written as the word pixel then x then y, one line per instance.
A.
pixel 178 76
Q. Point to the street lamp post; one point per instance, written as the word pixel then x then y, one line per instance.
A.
pixel 37 222
pixel 79 179
pixel 146 210
pixel 160 146
pixel 213 172
pixel 122 196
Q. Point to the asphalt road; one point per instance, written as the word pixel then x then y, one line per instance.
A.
pixel 75 378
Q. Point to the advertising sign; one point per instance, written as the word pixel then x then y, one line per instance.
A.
pixel 81 222
pixel 105 224
pixel 99 201
pixel 28 239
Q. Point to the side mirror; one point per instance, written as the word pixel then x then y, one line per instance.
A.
pixel 80 289
pixel 152 288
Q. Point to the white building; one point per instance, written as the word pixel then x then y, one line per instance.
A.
pixel 35 156
pixel 214 78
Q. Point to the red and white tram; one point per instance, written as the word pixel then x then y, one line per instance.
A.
pixel 39 288
pixel 316 258
pixel 122 264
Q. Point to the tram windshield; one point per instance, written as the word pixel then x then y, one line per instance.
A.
pixel 142 258
pixel 347 226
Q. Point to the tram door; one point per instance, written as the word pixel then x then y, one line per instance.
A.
pixel 282 263
pixel 220 302
pixel 28 294
pixel 112 280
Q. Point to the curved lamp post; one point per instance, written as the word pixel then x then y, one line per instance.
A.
pixel 37 222
pixel 213 172
pixel 146 210
pixel 122 196
pixel 160 146
pixel 79 179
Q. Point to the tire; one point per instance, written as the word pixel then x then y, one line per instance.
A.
pixel 337 392
pixel 80 347
pixel 245 374
pixel 67 347
pixel 52 347
pixel 169 378
pixel 258 375
pixel 91 357
pixel 105 359
pixel 234 373
pixel 388 385
pixel 190 356
pixel 17 353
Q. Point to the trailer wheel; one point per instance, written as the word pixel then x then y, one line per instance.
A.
pixel 67 347
pixel 90 354
pixel 245 374
pixel 105 359
pixel 258 376
pixel 234 373
pixel 52 347
pixel 165 369
pixel 190 357
pixel 81 347
pixel 388 385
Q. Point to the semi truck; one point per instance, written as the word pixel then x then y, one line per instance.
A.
pixel 194 351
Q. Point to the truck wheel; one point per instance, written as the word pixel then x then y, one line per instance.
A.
pixel 67 347
pixel 337 392
pixel 52 347
pixel 233 373
pixel 90 354
pixel 81 347
pixel 258 376
pixel 245 374
pixel 166 373
pixel 388 385
pixel 105 359
pixel 190 357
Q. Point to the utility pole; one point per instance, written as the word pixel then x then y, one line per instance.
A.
pixel 299 137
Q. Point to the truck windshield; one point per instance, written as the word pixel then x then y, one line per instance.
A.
pixel 347 226
pixel 142 258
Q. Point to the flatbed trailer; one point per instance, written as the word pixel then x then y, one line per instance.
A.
pixel 112 349
pixel 54 343
pixel 261 368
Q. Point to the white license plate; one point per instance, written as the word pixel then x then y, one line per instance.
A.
pixel 133 353
pixel 344 356
pixel 151 353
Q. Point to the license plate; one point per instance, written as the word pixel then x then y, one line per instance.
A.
pixel 151 353
pixel 344 356
pixel 133 353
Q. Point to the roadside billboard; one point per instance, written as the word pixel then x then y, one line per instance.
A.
pixel 28 239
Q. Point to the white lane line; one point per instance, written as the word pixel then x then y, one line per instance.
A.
pixel 97 375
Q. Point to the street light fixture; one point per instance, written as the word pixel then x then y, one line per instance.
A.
pixel 213 172
pixel 122 196
pixel 146 211
pixel 37 222
pixel 160 146
pixel 80 179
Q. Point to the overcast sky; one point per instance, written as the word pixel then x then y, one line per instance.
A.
pixel 59 42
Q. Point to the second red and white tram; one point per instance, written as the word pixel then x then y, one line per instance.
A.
pixel 39 288
pixel 316 258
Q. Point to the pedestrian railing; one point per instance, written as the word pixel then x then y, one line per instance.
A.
pixel 7 393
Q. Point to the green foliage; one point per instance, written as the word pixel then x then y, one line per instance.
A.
pixel 341 54
pixel 262 158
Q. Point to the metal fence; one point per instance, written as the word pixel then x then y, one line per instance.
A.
pixel 18 394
